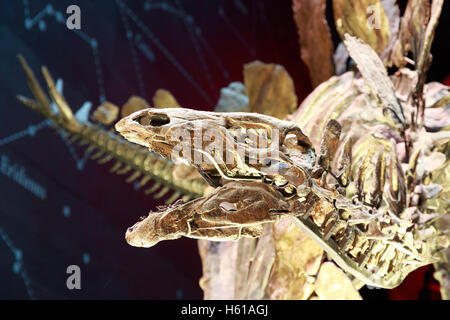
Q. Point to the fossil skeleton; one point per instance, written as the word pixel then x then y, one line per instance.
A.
pixel 378 244
pixel 364 196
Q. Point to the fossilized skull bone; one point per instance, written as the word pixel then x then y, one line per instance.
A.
pixel 230 146
pixel 235 210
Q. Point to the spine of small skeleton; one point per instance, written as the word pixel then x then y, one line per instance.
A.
pixel 105 146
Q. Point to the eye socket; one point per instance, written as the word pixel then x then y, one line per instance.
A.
pixel 292 141
pixel 155 120
pixel 296 139
pixel 303 144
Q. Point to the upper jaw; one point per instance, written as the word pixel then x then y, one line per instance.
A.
pixel 157 129
pixel 134 131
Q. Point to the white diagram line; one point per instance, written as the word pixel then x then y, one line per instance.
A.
pixel 48 10
pixel 134 57
pixel 235 30
pixel 30 131
pixel 18 265
pixel 163 49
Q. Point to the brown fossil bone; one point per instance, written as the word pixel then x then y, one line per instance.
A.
pixel 266 85
pixel 106 113
pixel 133 104
pixel 230 212
pixel 164 99
pixel 365 19
pixel 329 144
pixel 316 45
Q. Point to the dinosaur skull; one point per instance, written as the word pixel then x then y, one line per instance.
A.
pixel 225 146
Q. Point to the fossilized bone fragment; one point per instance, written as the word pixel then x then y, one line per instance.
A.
pixel 316 46
pixel 133 104
pixel 106 113
pixel 164 99
pixel 267 83
pixel 238 209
